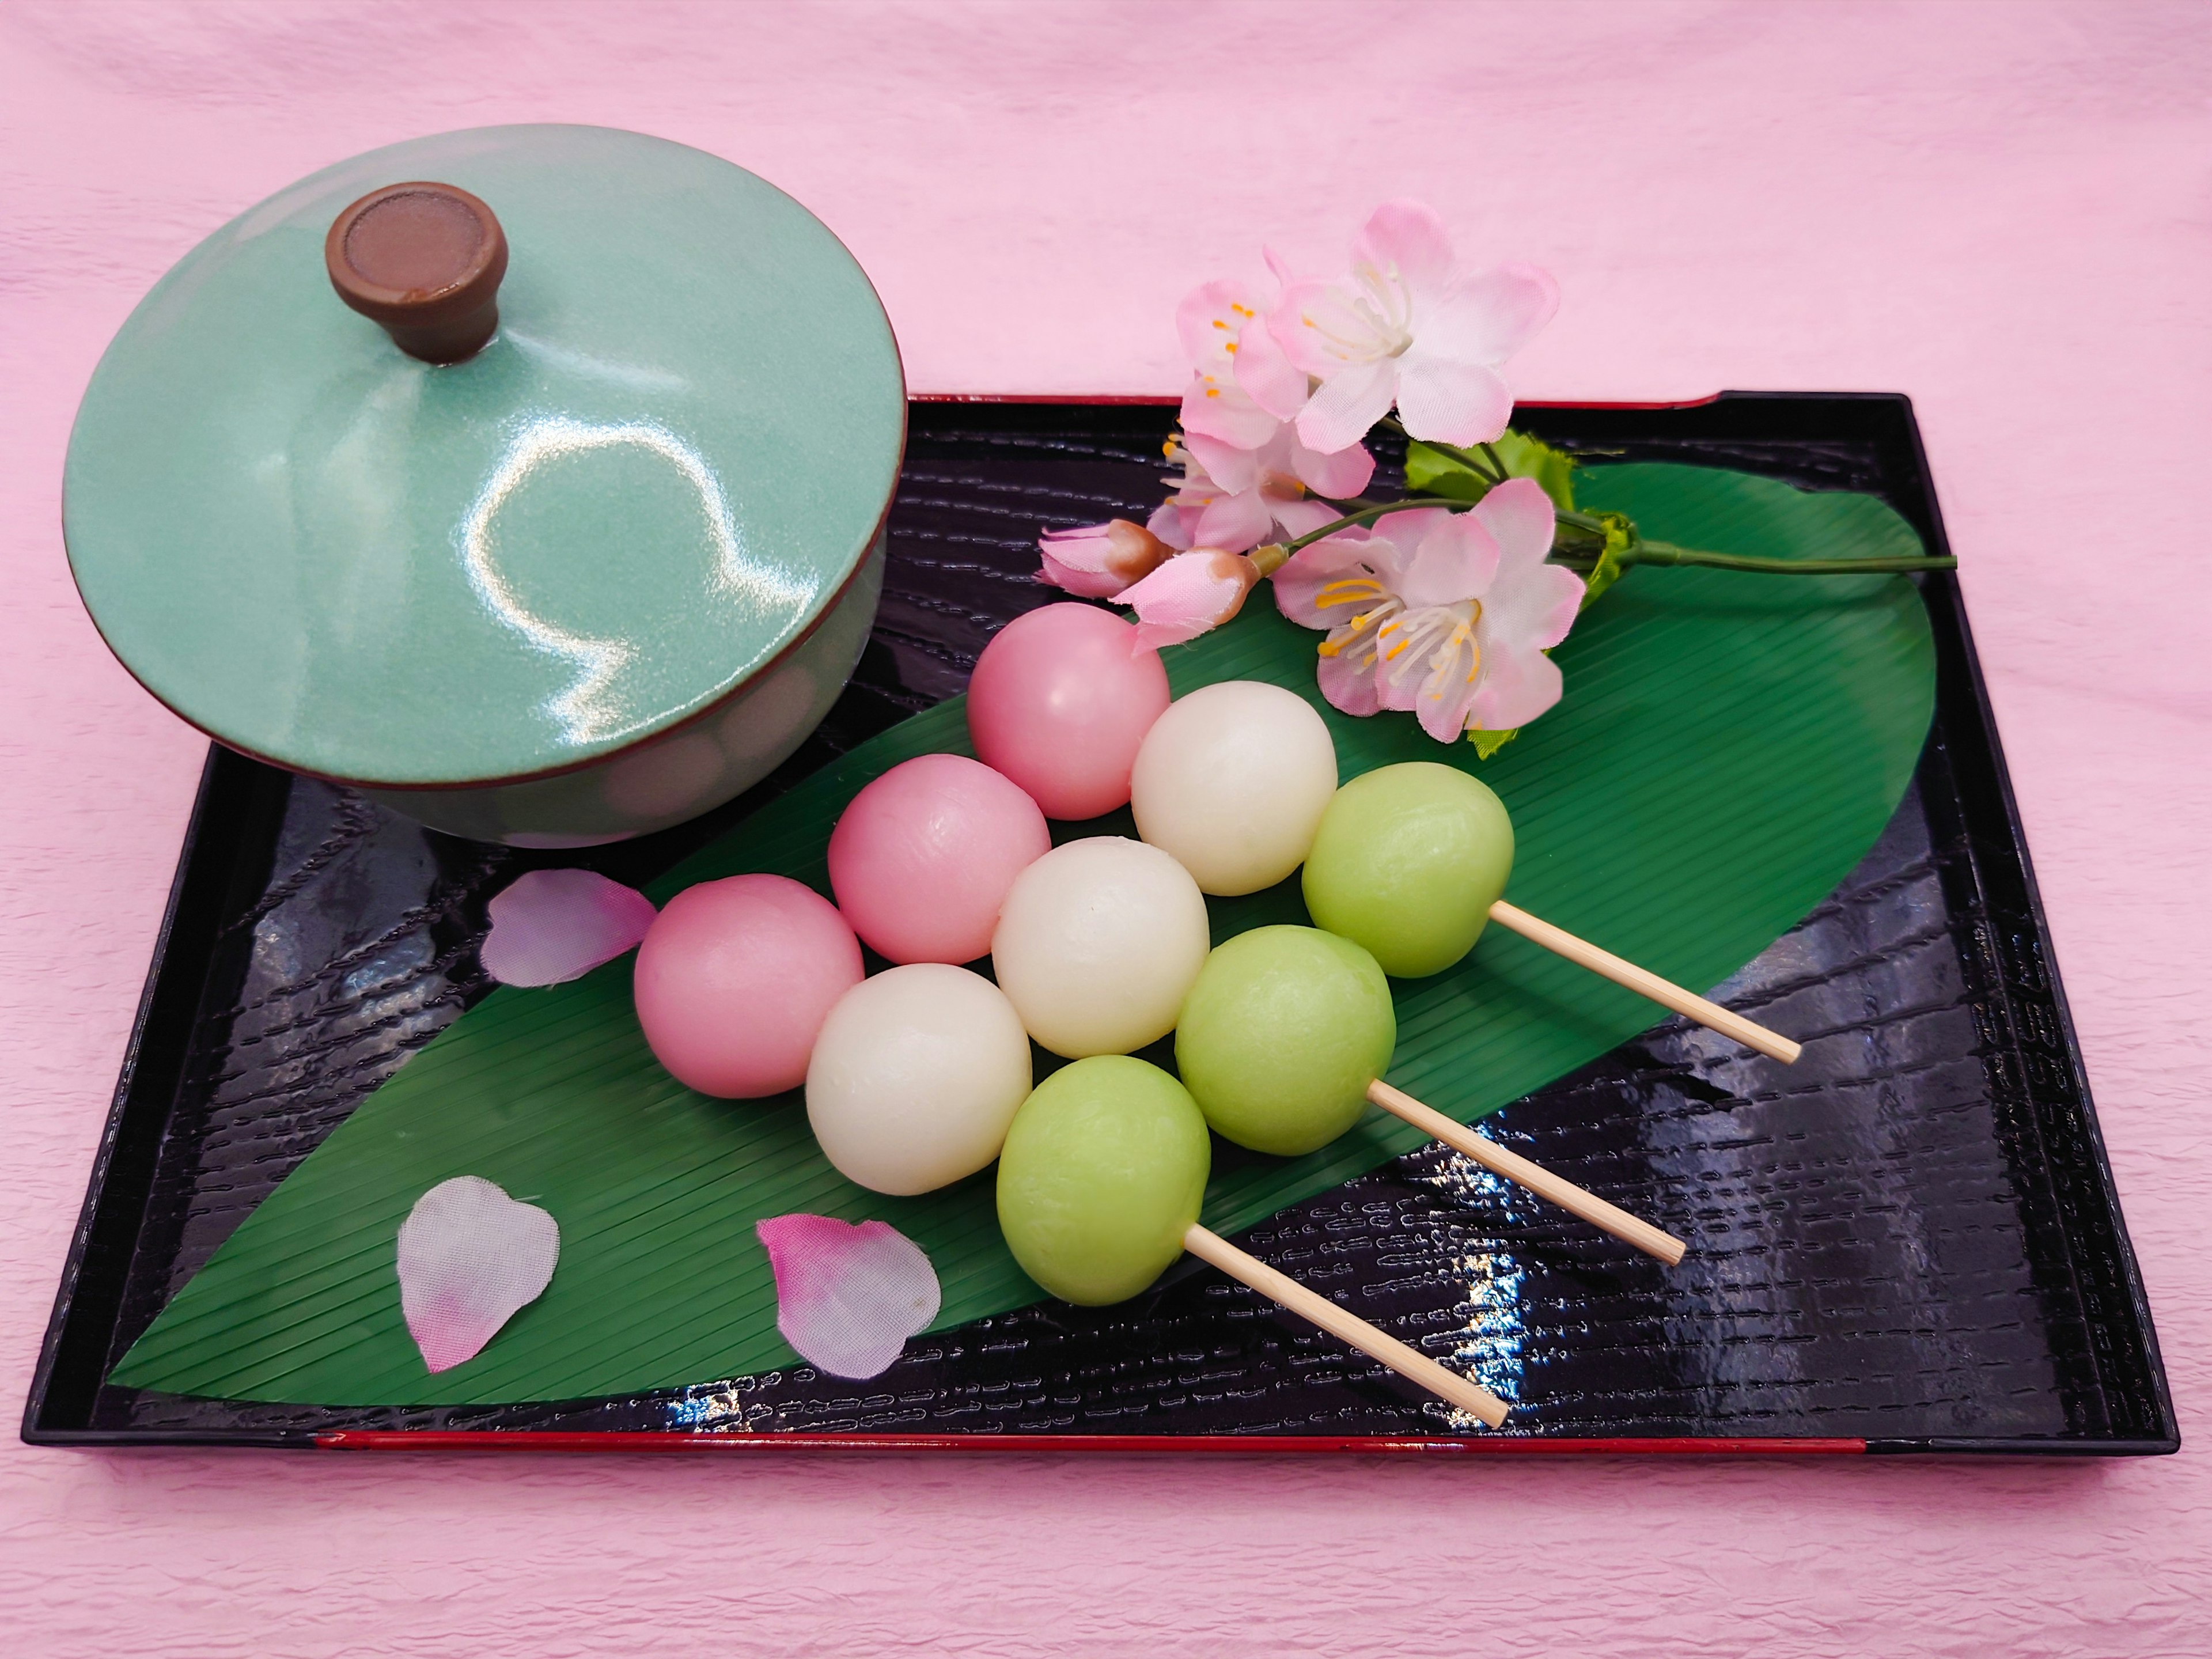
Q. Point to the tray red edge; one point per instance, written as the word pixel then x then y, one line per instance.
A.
pixel 518 1440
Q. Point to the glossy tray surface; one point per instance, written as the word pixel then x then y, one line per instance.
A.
pixel 1907 1241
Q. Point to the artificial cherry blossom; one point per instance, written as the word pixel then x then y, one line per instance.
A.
pixel 1189 594
pixel 1410 327
pixel 1446 614
pixel 1097 561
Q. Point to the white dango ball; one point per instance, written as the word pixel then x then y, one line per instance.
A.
pixel 1097 943
pixel 915 1076
pixel 1233 781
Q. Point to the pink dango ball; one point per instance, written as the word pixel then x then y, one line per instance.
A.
pixel 922 858
pixel 1061 701
pixel 734 980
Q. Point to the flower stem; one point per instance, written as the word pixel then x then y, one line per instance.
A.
pixel 1588 526
pixel 1368 515
pixel 1644 552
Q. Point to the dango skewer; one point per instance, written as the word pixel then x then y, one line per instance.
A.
pixel 1100 1182
pixel 1283 1042
pixel 1411 861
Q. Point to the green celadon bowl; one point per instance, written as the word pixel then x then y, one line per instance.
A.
pixel 595 579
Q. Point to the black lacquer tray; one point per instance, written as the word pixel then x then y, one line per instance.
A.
pixel 1911 1245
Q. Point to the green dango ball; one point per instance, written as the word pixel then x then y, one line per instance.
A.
pixel 1281 1036
pixel 1103 1173
pixel 1408 861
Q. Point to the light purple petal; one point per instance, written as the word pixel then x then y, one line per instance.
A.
pixel 1448 401
pixel 847 1297
pixel 1346 683
pixel 1533 613
pixel 1517 685
pixel 1089 584
pixel 1215 406
pixel 470 1258
pixel 1322 333
pixel 1450 689
pixel 1339 476
pixel 1268 376
pixel 1348 404
pixel 1172 525
pixel 551 925
pixel 1454 562
pixel 1299 583
pixel 1409 239
pixel 1303 518
pixel 1224 464
pixel 1521 517
pixel 1489 316
pixel 1209 320
pixel 1238 523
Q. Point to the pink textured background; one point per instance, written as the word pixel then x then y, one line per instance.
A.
pixel 2004 210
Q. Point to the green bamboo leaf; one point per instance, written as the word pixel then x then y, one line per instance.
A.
pixel 1728 749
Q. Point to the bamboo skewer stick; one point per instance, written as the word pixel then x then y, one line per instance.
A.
pixel 1666 994
pixel 1414 1366
pixel 1576 1200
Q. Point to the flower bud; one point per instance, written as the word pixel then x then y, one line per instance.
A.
pixel 1097 561
pixel 1189 594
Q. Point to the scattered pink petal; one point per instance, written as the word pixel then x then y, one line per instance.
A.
pixel 555 925
pixel 847 1297
pixel 470 1258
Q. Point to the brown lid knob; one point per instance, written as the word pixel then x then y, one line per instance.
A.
pixel 425 260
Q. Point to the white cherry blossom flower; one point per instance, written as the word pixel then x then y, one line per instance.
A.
pixel 1410 327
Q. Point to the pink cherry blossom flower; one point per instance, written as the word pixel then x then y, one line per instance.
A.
pixel 1097 561
pixel 1241 385
pixel 1236 498
pixel 1247 472
pixel 1192 593
pixel 1446 614
pixel 1410 327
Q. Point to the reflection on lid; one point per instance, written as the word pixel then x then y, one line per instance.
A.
pixel 586 711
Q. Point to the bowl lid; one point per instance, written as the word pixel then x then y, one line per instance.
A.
pixel 661 469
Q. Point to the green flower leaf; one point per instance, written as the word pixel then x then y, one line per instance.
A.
pixel 1487 743
pixel 1619 533
pixel 1430 471
pixel 1532 458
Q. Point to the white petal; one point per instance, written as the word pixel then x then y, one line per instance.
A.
pixel 1449 402
pixel 847 1297
pixel 1488 318
pixel 470 1259
pixel 551 925
pixel 1408 239
pixel 1349 403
